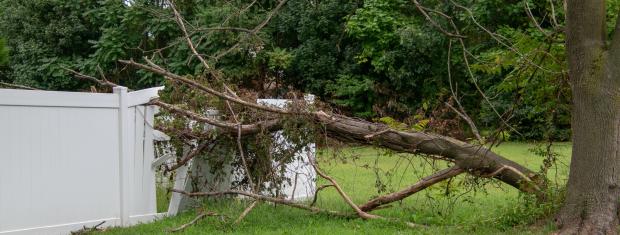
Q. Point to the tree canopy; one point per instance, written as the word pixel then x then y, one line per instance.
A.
pixel 375 59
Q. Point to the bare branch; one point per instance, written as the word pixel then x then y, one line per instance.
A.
pixel 241 11
pixel 240 148
pixel 158 70
pixel 10 85
pixel 533 19
pixel 498 38
pixel 462 113
pixel 194 221
pixel 101 82
pixel 434 23
pixel 253 31
pixel 244 30
pixel 316 192
pixel 262 198
pixel 419 186
pixel 484 96
pixel 553 18
pixel 246 211
pixel 469 122
pixel 179 20
pixel 344 196
pixel 195 152
pixel 225 126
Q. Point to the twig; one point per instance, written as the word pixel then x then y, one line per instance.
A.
pixel 179 21
pixel 10 85
pixel 358 211
pixel 294 185
pixel 189 156
pixel 553 18
pixel 496 37
pixel 528 10
pixel 246 211
pixel 467 119
pixel 505 167
pixel 225 126
pixel 243 159
pixel 434 23
pixel 241 11
pixel 240 147
pixel 344 196
pixel 316 192
pixel 253 31
pixel 226 29
pixel 194 221
pixel 462 112
pixel 88 230
pixel 484 96
pixel 152 67
pixel 102 82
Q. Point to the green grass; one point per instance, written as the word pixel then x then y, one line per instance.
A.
pixel 492 209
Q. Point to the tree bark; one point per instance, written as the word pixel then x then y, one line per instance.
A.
pixel 591 205
pixel 474 159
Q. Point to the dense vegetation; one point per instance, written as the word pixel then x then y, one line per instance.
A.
pixel 375 59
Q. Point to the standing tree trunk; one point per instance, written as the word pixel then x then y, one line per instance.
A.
pixel 593 193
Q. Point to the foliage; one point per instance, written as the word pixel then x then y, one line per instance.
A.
pixel 4 53
pixel 43 36
pixel 371 59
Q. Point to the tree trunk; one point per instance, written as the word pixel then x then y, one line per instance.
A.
pixel 474 159
pixel 593 193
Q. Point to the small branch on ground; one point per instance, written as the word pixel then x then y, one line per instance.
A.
pixel 87 230
pixel 194 221
pixel 263 198
pixel 419 186
pixel 246 211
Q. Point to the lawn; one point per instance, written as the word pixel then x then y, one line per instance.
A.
pixel 492 209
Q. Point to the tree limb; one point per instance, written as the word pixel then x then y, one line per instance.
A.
pixel 262 198
pixel 419 186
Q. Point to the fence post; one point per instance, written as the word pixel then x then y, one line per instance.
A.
pixel 124 153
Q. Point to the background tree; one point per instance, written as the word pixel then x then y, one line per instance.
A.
pixel 378 60
pixel 43 36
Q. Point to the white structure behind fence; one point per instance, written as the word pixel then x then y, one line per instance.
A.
pixel 299 171
pixel 75 159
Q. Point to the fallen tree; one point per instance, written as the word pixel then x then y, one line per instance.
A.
pixel 471 158
pixel 474 159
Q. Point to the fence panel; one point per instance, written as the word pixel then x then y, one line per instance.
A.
pixel 75 159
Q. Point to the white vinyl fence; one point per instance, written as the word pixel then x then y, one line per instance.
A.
pixel 72 159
